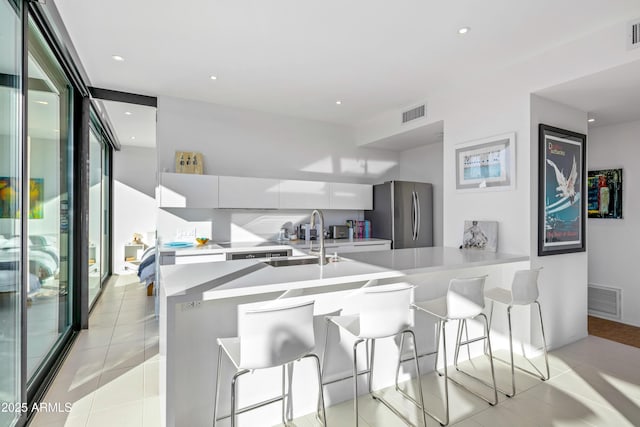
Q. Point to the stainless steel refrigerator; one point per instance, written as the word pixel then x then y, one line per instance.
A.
pixel 403 213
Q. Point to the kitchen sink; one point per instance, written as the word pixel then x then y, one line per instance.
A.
pixel 286 262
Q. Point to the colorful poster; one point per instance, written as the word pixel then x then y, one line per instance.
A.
pixel 561 187
pixel 10 198
pixel 604 188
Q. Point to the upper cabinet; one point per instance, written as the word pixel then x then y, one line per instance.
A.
pixel 304 194
pixel 242 192
pixel 351 196
pixel 179 190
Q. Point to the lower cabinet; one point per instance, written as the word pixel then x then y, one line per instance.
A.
pixel 358 247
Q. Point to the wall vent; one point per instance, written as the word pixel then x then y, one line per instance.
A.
pixel 414 113
pixel 633 34
pixel 604 301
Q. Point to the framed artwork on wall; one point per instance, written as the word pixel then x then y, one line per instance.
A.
pixel 604 188
pixel 486 164
pixel 561 191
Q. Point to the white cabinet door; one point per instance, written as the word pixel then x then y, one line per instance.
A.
pixel 181 190
pixel 304 194
pixel 241 192
pixel 351 196
pixel 358 247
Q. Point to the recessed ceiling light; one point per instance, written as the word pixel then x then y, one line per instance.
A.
pixel 213 77
pixel 128 113
pixel 42 102
pixel 463 30
pixel 56 130
pixel 117 58
pixel 591 120
pixel 338 102
pixel 133 137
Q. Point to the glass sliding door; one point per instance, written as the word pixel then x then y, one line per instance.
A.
pixel 50 184
pixel 10 226
pixel 96 220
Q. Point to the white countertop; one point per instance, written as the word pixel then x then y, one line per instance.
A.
pixel 247 277
pixel 214 248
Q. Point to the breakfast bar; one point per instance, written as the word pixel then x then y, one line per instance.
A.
pixel 199 303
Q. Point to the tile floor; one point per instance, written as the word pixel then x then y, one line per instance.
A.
pixel 111 376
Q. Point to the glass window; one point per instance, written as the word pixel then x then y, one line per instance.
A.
pixel 50 187
pixel 10 190
pixel 96 225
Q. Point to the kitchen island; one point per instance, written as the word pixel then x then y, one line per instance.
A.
pixel 199 303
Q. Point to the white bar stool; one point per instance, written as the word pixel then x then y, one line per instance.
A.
pixel 272 336
pixel 384 312
pixel 524 291
pixel 464 301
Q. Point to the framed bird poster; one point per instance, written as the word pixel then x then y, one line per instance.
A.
pixel 561 191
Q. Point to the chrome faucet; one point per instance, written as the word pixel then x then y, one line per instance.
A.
pixel 321 254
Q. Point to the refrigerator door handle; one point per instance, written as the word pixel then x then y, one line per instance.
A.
pixel 414 215
pixel 417 215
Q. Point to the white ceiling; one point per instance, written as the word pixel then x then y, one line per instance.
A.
pixel 298 57
pixel 610 97
pixel 136 129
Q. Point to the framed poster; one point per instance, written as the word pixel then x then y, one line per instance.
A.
pixel 486 164
pixel 10 198
pixel 561 191
pixel 604 188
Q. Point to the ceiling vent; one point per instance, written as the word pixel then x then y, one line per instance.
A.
pixel 633 36
pixel 414 113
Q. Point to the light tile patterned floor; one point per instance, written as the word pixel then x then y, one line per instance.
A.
pixel 111 374
pixel 111 377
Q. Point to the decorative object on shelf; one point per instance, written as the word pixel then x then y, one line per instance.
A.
pixel 202 240
pixel 137 239
pixel 487 164
pixel 189 162
pixel 604 189
pixel 480 235
pixel 561 201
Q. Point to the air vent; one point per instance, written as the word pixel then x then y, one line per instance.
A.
pixel 633 36
pixel 414 114
pixel 604 301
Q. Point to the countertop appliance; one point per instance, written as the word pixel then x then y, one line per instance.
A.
pixel 403 213
pixel 338 232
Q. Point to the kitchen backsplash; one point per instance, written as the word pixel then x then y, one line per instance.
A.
pixel 239 225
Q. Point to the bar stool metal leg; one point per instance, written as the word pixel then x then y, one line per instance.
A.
pixel 215 403
pixel 493 376
pixel 511 361
pixel 355 380
pixel 544 343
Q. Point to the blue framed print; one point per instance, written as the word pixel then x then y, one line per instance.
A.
pixel 561 191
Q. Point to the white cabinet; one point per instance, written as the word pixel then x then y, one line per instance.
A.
pixel 351 196
pixel 358 247
pixel 181 190
pixel 304 194
pixel 241 192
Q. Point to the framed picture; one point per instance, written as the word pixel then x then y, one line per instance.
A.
pixel 480 235
pixel 561 200
pixel 486 164
pixel 604 191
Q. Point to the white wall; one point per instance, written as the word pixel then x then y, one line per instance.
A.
pixel 424 164
pixel 612 243
pixel 134 205
pixel 240 142
pixel 563 280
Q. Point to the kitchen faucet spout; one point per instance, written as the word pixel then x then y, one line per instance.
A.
pixel 322 253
